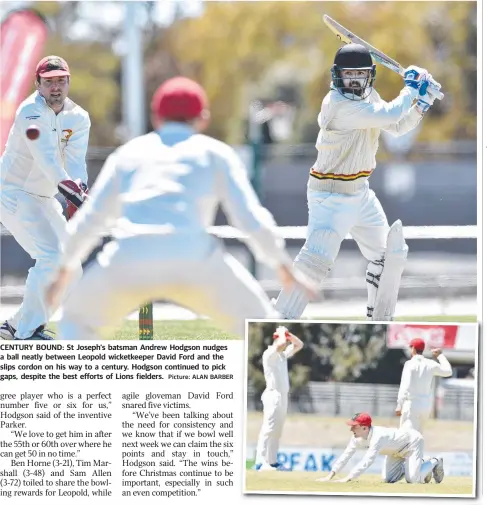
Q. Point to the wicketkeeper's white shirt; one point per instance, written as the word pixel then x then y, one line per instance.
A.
pixel 384 441
pixel 348 139
pixel 417 378
pixel 37 166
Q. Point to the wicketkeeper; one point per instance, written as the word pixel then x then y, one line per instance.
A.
pixel 275 396
pixel 403 449
pixel 156 196
pixel 339 199
pixel 415 398
pixel 32 173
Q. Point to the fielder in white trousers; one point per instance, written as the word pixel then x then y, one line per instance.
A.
pixel 194 272
pixel 156 196
pixel 275 396
pixel 31 172
pixel 39 227
pixel 416 391
pixel 403 450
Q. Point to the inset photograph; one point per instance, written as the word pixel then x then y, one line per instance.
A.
pixel 361 408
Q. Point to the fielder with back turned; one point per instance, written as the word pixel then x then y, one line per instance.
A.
pixel 157 195
pixel 339 199
pixel 415 396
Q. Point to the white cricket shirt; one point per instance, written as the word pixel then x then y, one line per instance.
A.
pixel 348 139
pixel 417 378
pixel 170 183
pixel 37 166
pixel 384 441
pixel 275 368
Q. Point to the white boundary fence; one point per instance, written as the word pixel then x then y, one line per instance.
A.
pixel 447 283
pixel 410 232
pixel 299 232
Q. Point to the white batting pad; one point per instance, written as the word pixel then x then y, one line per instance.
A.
pixel 390 280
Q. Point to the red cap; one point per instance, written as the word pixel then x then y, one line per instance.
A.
pixel 52 66
pixel 178 99
pixel 418 344
pixel 277 335
pixel 361 419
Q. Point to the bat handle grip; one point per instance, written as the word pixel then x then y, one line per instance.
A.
pixel 436 93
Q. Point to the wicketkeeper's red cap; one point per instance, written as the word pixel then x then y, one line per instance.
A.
pixel 179 99
pixel 360 419
pixel 418 344
pixel 52 66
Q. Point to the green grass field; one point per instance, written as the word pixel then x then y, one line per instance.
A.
pixel 197 329
pixel 305 482
pixel 203 329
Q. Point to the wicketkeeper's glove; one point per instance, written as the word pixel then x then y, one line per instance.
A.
pixel 75 193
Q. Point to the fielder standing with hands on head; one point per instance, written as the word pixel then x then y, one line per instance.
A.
pixel 340 202
pixel 275 396
pixel 45 154
pixel 416 391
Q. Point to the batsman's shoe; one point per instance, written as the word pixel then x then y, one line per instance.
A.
pixel 258 466
pixel 39 334
pixel 427 479
pixel 439 471
pixel 7 331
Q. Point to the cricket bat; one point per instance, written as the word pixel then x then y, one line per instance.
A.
pixel 347 37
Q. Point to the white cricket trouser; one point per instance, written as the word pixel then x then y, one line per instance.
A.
pixel 359 214
pixel 131 272
pixel 38 225
pixel 331 217
pixel 415 413
pixel 274 416
pixel 408 462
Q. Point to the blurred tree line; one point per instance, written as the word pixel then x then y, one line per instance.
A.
pixel 331 352
pixel 241 51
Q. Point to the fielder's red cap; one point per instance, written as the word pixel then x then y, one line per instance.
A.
pixel 418 344
pixel 179 99
pixel 52 66
pixel 277 335
pixel 361 419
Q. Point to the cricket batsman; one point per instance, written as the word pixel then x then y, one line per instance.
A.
pixel 32 171
pixel 275 396
pixel 157 195
pixel 403 450
pixel 415 397
pixel 339 199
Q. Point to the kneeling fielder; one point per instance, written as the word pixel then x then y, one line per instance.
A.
pixel 403 449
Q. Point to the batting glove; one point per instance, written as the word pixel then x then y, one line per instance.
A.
pixel 415 77
pixel 75 194
pixel 425 97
